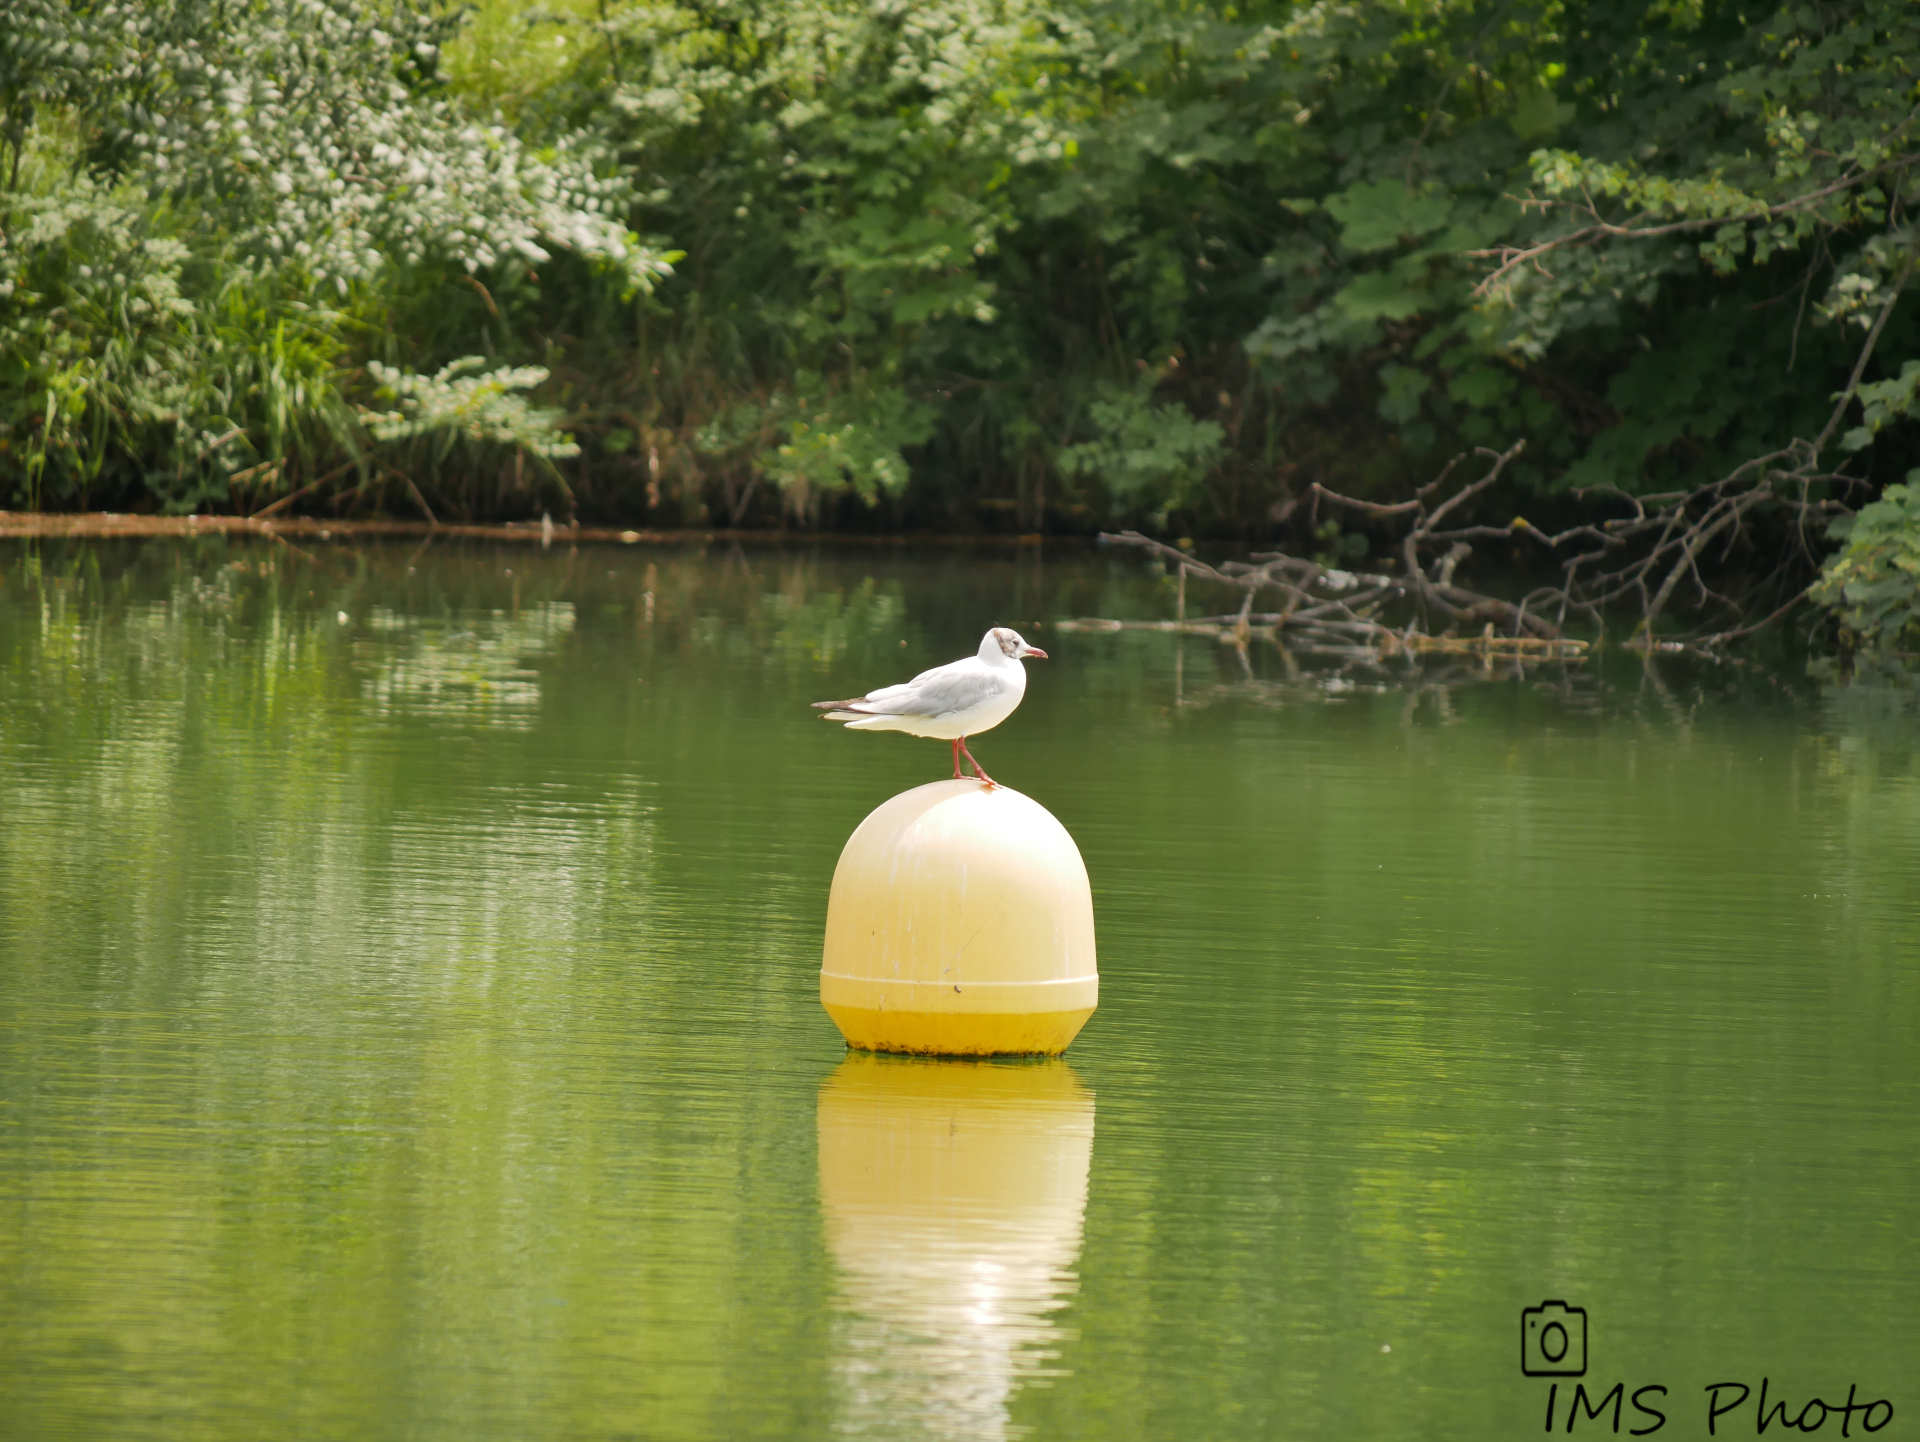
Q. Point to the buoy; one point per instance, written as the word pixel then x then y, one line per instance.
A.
pixel 960 924
pixel 953 1195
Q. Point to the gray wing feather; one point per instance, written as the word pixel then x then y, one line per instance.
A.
pixel 929 694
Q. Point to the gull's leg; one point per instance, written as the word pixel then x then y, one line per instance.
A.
pixel 978 770
pixel 956 760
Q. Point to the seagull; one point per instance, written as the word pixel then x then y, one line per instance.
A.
pixel 950 702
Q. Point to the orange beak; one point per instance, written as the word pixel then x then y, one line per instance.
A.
pixel 1031 652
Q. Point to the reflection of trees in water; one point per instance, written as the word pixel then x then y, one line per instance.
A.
pixel 1427 687
pixel 953 1195
pixel 342 920
pixel 1878 707
pixel 787 618
pixel 1676 692
pixel 467 667
pixel 211 710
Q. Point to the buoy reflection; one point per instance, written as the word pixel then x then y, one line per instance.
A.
pixel 953 1194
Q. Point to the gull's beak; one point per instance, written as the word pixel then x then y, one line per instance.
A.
pixel 1033 651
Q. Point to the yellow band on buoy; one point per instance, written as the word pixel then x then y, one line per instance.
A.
pixel 960 923
pixel 1070 993
pixel 946 1033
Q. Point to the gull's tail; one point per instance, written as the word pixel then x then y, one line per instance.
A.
pixel 852 709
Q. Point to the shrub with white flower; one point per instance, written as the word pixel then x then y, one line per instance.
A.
pixel 208 207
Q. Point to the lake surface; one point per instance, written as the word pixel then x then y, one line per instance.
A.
pixel 409 1021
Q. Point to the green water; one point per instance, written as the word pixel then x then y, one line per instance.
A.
pixel 408 1018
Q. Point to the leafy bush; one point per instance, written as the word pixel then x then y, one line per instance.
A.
pixel 125 362
pixel 210 210
pixel 455 403
pixel 1008 212
pixel 1873 584
pixel 811 442
pixel 1150 458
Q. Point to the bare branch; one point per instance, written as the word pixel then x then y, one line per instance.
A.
pixel 1860 365
pixel 1372 508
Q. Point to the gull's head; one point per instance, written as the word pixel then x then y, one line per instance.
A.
pixel 1008 644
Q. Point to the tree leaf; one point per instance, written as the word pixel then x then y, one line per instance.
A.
pixel 1377 215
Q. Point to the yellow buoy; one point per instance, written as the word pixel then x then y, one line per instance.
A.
pixel 960 924
pixel 953 1195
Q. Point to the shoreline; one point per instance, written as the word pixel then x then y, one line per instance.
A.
pixel 117 525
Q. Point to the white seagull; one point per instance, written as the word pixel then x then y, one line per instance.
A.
pixel 950 702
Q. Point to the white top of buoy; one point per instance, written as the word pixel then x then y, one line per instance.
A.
pixel 953 883
pixel 962 698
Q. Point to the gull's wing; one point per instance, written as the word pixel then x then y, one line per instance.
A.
pixel 956 687
pixel 938 693
pixel 933 674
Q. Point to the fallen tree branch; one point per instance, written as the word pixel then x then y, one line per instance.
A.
pixel 1642 557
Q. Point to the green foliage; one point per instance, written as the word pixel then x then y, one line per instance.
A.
pixel 840 180
pixel 1150 458
pixel 1003 262
pixel 209 214
pixel 821 443
pixel 1378 215
pixel 118 353
pixel 1874 583
pixel 455 403
pixel 1882 402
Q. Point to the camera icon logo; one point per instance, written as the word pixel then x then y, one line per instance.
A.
pixel 1553 1340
